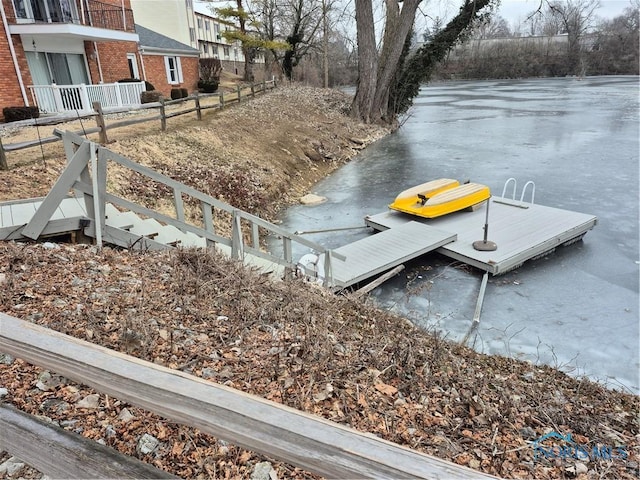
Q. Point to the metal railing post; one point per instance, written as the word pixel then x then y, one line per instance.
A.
pixel 237 247
pixel 84 98
pixel 57 98
pixel 328 274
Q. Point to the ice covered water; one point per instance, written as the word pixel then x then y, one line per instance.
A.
pixel 578 140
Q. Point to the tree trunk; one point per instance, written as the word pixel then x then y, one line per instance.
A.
pixel 249 58
pixel 420 65
pixel 384 86
pixel 376 75
pixel 398 27
pixel 247 52
pixel 367 62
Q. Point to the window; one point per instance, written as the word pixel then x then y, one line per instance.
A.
pixel 216 30
pixel 174 70
pixel 205 48
pixel 62 11
pixel 207 25
pixel 226 52
pixel 189 3
pixel 214 49
pixel 199 23
pixel 192 34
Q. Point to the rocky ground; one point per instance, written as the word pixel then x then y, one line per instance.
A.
pixel 333 356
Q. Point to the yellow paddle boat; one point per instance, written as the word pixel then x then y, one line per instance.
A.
pixel 440 197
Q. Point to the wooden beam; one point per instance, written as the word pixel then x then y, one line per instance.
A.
pixel 60 226
pixel 278 431
pixel 163 116
pixel 60 190
pixel 196 99
pixel 100 123
pixel 12 147
pixel 3 158
pixel 61 454
pixel 378 281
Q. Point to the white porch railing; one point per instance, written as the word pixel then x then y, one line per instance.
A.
pixel 71 98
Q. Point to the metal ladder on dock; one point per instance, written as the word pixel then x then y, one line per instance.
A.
pixel 521 203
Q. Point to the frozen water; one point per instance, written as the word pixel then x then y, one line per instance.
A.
pixel 578 140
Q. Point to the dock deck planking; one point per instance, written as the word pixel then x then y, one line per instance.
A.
pixel 378 253
pixel 15 214
pixel 521 233
pixel 70 207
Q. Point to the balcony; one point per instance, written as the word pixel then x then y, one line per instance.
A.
pixel 91 20
pixel 58 99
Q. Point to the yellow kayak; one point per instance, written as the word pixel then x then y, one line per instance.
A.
pixel 440 197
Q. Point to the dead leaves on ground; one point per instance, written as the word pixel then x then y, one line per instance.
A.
pixel 298 345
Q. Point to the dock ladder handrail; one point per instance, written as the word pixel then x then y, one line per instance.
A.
pixel 533 191
pixel 524 190
pixel 506 184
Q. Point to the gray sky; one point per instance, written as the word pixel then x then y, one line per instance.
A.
pixel 515 10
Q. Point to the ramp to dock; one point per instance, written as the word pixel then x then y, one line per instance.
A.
pixel 378 253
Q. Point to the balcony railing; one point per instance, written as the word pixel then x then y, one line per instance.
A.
pixel 79 98
pixel 94 13
pixel 104 15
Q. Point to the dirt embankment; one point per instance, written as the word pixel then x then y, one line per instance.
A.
pixel 288 342
pixel 260 155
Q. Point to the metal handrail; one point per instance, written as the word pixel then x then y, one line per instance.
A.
pixel 524 190
pixel 533 191
pixel 506 184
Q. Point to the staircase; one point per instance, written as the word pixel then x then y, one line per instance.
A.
pixel 111 219
pixel 153 234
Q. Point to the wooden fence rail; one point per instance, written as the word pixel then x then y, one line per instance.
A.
pixel 68 455
pixel 221 100
pixel 313 443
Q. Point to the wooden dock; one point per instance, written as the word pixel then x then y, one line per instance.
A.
pixel 378 253
pixel 522 231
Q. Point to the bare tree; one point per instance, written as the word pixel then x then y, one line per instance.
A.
pixel 304 25
pixel 617 50
pixel 247 34
pixel 575 17
pixel 386 82
pixel 305 31
pixel 491 27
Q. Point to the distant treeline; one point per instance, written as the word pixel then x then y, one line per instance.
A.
pixel 508 59
pixel 612 49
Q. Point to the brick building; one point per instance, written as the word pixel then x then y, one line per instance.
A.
pixel 167 63
pixel 192 23
pixel 62 42
pixel 61 55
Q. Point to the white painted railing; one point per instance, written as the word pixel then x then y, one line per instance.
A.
pixel 79 98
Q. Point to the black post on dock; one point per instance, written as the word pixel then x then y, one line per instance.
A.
pixel 485 245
